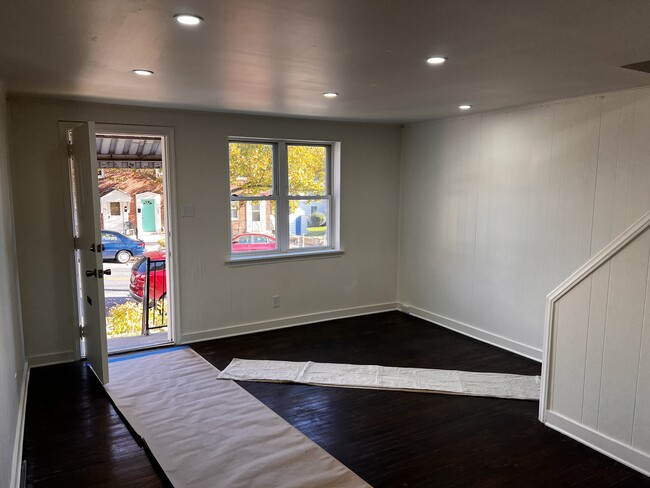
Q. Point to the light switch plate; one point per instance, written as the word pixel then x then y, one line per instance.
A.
pixel 187 210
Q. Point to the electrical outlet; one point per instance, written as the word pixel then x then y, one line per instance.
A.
pixel 276 301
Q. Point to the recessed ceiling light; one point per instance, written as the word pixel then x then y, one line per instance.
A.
pixel 188 19
pixel 142 72
pixel 330 94
pixel 436 60
pixel 464 107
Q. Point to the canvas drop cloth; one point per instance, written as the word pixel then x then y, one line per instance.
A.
pixel 386 378
pixel 206 433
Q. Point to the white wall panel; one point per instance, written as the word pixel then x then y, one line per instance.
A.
pixel 621 344
pixel 594 345
pixel 623 163
pixel 606 179
pixel 641 426
pixel 544 187
pixel 568 360
pixel 639 190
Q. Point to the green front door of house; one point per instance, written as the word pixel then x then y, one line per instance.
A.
pixel 148 215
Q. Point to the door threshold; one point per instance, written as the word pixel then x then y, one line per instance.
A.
pixel 137 343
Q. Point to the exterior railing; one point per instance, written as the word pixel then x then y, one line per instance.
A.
pixel 154 297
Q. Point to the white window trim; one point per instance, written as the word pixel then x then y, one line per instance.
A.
pixel 280 194
pixel 250 259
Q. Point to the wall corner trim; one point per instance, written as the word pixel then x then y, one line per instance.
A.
pixel 20 430
pixel 491 338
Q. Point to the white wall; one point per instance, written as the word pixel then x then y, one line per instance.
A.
pixel 498 209
pixel 599 358
pixel 12 358
pixel 214 299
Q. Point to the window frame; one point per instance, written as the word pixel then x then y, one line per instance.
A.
pixel 280 195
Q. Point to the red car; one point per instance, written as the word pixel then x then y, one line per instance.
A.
pixel 157 276
pixel 253 242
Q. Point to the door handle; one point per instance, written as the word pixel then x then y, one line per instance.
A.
pixel 102 272
pixel 98 273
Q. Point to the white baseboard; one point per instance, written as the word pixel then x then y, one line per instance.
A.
pixel 612 448
pixel 235 330
pixel 20 431
pixel 51 358
pixel 475 333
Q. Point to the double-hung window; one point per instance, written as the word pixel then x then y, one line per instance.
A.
pixel 286 188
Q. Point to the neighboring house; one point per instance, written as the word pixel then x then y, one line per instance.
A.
pixel 252 217
pixel 131 201
pixel 257 217
pixel 115 206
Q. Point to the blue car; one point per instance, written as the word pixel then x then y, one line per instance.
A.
pixel 120 247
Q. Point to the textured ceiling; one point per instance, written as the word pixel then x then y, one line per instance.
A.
pixel 279 56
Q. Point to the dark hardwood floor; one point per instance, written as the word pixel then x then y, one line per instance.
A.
pixel 74 437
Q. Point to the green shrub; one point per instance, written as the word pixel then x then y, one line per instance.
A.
pixel 317 219
pixel 126 319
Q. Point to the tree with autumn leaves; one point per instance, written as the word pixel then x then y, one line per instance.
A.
pixel 251 170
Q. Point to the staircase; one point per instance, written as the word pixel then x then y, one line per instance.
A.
pixel 596 366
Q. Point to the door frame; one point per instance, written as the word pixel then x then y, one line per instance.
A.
pixel 170 202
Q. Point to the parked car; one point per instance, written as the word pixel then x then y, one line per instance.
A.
pixel 253 242
pixel 157 276
pixel 120 247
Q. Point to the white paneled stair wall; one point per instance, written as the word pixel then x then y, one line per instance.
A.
pixel 596 378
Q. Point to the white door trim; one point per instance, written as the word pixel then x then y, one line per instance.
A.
pixel 169 180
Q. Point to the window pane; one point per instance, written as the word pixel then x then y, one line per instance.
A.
pixel 256 212
pixel 234 210
pixel 115 208
pixel 254 229
pixel 251 169
pixel 308 223
pixel 307 170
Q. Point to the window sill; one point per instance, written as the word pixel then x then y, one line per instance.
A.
pixel 250 259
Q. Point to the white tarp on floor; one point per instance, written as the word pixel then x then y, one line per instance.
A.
pixel 206 433
pixel 386 378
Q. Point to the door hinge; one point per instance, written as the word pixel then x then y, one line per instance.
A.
pixel 76 242
pixel 81 332
pixel 69 149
